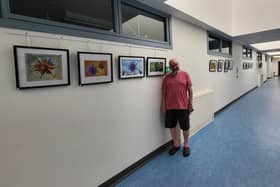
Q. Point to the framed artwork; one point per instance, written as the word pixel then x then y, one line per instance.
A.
pixel 95 68
pixel 220 65
pixel 155 66
pixel 226 64
pixel 38 67
pixel 212 65
pixel 230 65
pixel 131 67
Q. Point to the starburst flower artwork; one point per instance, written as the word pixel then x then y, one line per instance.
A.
pixel 43 67
pixel 38 67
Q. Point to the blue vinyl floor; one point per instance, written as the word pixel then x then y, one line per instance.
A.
pixel 241 148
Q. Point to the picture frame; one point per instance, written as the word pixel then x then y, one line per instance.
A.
pixel 155 66
pixel 244 65
pixel 230 65
pixel 95 68
pixel 131 67
pixel 37 67
pixel 226 65
pixel 220 65
pixel 212 65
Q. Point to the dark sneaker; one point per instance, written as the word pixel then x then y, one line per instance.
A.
pixel 173 150
pixel 186 151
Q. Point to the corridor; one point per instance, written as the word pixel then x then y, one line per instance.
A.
pixel 241 148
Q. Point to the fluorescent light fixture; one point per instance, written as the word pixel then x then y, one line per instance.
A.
pixel 276 56
pixel 273 53
pixel 267 45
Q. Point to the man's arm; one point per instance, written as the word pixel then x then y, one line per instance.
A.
pixel 163 109
pixel 190 94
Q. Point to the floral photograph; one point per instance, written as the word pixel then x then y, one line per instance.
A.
pixel 37 67
pixel 43 67
pixel 155 66
pixel 95 68
pixel 131 67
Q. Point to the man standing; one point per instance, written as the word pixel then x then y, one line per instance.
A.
pixel 177 105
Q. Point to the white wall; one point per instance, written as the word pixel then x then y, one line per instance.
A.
pixel 275 66
pixel 217 13
pixel 233 17
pixel 269 68
pixel 254 16
pixel 81 136
pixel 228 86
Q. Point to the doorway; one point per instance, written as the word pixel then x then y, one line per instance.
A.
pixel 278 68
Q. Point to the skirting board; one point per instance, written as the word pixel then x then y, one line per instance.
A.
pixel 117 178
pixel 219 111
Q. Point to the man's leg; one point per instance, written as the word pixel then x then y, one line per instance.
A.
pixel 175 137
pixel 186 138
pixel 176 143
pixel 184 121
pixel 170 122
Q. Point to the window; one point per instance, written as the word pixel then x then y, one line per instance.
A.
pixel 259 56
pixel 244 52
pixel 117 20
pixel 141 24
pixel 214 44
pixel 247 53
pixel 266 58
pixel 97 14
pixel 226 47
pixel 219 46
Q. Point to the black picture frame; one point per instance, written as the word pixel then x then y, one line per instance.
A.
pixel 230 65
pixel 226 64
pixel 95 68
pixel 220 65
pixel 38 67
pixel 244 65
pixel 159 70
pixel 212 65
pixel 131 67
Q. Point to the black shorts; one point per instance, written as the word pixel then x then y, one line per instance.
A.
pixel 174 116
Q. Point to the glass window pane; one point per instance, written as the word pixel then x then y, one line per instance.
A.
pixel 90 13
pixel 226 47
pixel 142 24
pixel 249 53
pixel 214 44
pixel 244 52
pixel 259 56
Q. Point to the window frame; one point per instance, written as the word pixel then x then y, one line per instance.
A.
pixel 247 57
pixel 221 39
pixel 140 7
pixel 266 58
pixel 259 57
pixel 16 21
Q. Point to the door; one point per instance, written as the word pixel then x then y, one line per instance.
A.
pixel 278 68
